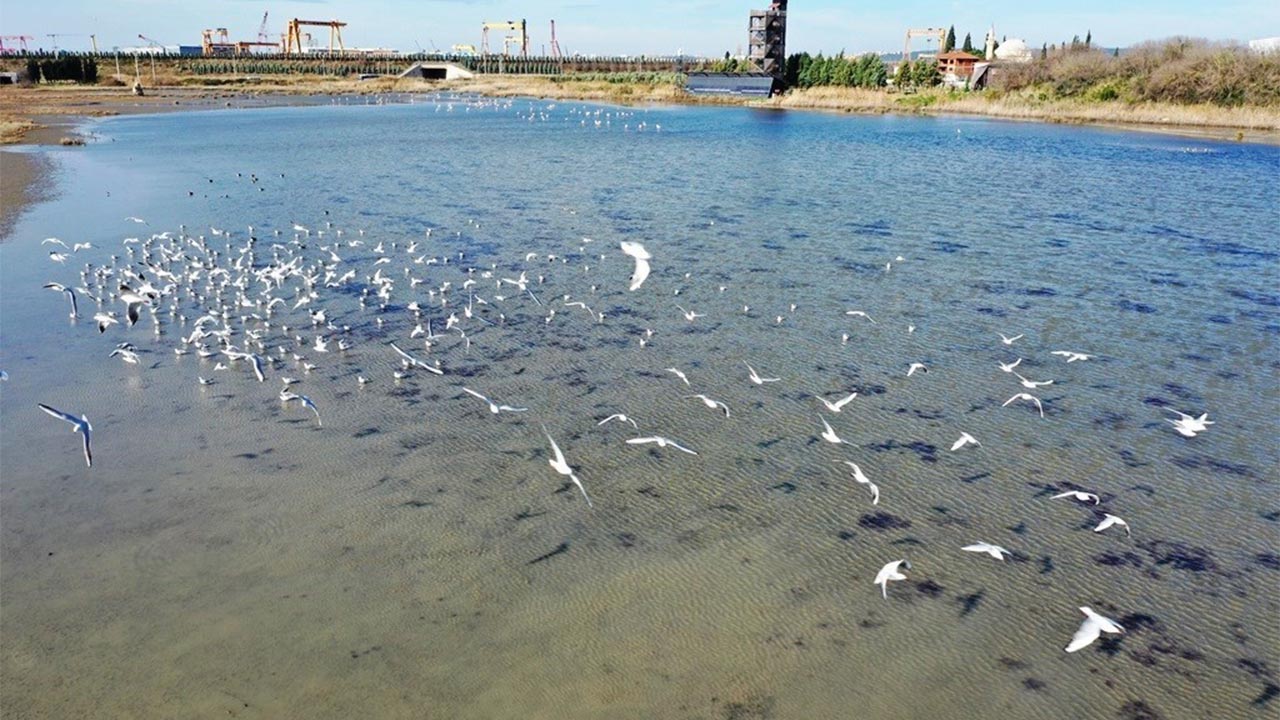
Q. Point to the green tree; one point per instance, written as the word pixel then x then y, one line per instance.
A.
pixel 905 76
pixel 844 72
pixel 950 43
pixel 1116 52
pixel 1044 51
pixel 968 43
pixel 1075 42
pixel 925 73
pixel 873 74
pixel 1088 38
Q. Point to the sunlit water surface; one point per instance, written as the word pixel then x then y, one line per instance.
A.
pixel 227 557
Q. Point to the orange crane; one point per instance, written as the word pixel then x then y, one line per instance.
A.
pixel 293 34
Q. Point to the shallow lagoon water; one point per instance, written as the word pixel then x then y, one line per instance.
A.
pixel 415 556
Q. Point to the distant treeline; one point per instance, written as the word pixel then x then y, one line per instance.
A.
pixel 68 67
pixel 1180 70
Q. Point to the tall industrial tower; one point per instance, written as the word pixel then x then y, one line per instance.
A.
pixel 767 39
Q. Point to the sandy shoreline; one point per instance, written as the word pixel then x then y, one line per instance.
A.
pixel 44 116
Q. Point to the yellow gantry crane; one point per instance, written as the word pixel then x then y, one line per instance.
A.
pixel 519 36
pixel 293 34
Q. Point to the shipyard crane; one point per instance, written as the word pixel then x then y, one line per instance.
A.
pixel 293 34
pixel 555 44
pixel 928 33
pixel 263 37
pixel 93 40
pixel 519 36
pixel 21 41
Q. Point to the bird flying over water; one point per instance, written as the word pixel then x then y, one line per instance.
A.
pixel 660 442
pixel 1078 495
pixel 965 439
pixel 890 572
pixel 1092 627
pixel 494 407
pixel 838 405
pixel 1108 520
pixel 71 295
pixel 1029 398
pixel 78 424
pixel 642 258
pixel 994 551
pixel 560 465
pixel 755 377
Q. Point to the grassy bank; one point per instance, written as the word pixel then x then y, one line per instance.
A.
pixel 1031 106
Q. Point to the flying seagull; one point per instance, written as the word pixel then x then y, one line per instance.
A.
pixel 890 572
pixel 994 551
pixel 1108 520
pixel 838 405
pixel 711 403
pixel 1093 626
pixel 415 362
pixel 642 258
pixel 1188 425
pixel 863 480
pixel 494 407
pixel 1071 356
pixel 660 442
pixel 755 377
pixel 1009 340
pixel 1029 398
pixel 965 439
pixel 620 417
pixel 78 424
pixel 71 295
pixel 829 434
pixel 1078 495
pixel 562 466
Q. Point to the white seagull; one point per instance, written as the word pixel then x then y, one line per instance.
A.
pixel 711 403
pixel 1108 520
pixel 829 434
pixel 755 377
pixel 862 479
pixel 1028 397
pixel 994 551
pixel 642 258
pixel 494 407
pixel 1188 425
pixel 1032 384
pixel 890 572
pixel 913 367
pixel 838 405
pixel 1010 366
pixel 965 439
pixel 1071 356
pixel 1009 340
pixel 620 417
pixel 561 466
pixel 859 313
pixel 415 362
pixel 1078 495
pixel 660 442
pixel 679 374
pixel 1093 626
pixel 78 424
pixel 71 295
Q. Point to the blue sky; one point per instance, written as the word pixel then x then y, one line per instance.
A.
pixel 654 27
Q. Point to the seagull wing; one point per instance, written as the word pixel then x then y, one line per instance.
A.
pixel 642 440
pixel 473 393
pixel 839 404
pixel 559 459
pixel 88 451
pixel 59 414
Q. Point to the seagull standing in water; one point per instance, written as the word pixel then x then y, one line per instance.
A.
pixel 562 466
pixel 78 424
pixel 1092 627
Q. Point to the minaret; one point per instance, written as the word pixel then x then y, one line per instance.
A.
pixel 991 43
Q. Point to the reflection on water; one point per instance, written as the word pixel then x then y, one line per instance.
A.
pixel 416 555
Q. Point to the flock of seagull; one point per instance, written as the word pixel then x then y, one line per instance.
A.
pixel 252 303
